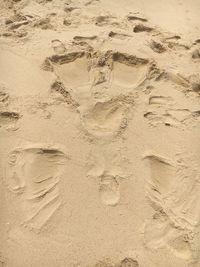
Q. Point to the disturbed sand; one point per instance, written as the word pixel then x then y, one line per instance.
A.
pixel 99 133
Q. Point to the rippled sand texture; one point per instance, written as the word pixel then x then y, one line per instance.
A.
pixel 99 133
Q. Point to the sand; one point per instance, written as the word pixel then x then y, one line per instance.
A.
pixel 99 133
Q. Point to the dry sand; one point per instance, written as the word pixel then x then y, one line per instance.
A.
pixel 99 133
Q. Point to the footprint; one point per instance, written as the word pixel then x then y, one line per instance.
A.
pixel 3 262
pixel 157 47
pixel 59 87
pixel 90 75
pixel 106 118
pixel 44 24
pixel 180 114
pixel 85 42
pixel 153 118
pixel 99 76
pixel 16 21
pixel 129 59
pixel 161 233
pixel 69 9
pixel 85 38
pixel 104 263
pixel 174 37
pixel 196 53
pixel 8 118
pixel 195 82
pixel 4 96
pixel 169 117
pixel 67 21
pixel 136 16
pixel 161 182
pixel 66 58
pixel 129 262
pixel 160 111
pixel 34 173
pixel 129 71
pixel 142 28
pixel 71 68
pixel 166 229
pixel 18 24
pixel 108 181
pixel 106 20
pixel 118 35
pixel 175 42
pixel 91 2
pixel 177 78
pixel 196 87
pixel 78 68
pixel 180 247
pixel 159 100
pixel 109 190
pixel 58 46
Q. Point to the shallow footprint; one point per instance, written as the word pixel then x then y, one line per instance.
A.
pixel 160 232
pixel 58 46
pixel 106 118
pixel 118 35
pixel 128 70
pixel 8 117
pixel 129 262
pixel 34 173
pixel 162 176
pixel 109 190
pixel 74 73
pixel 180 247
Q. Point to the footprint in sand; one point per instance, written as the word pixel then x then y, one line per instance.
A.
pixel 58 46
pixel 128 70
pixel 106 118
pixel 108 171
pixel 4 96
pixel 157 46
pixel 76 68
pixel 8 117
pixel 9 120
pixel 106 20
pixel 92 75
pixel 109 190
pixel 126 262
pixel 118 35
pixel 136 17
pixel 166 229
pixel 160 232
pixel 142 28
pixel 71 68
pixel 162 179
pixel 34 172
pixel 129 262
